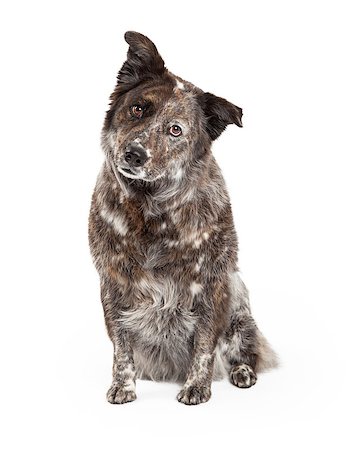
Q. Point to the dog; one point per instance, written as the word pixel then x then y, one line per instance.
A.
pixel 163 241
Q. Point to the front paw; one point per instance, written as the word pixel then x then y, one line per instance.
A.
pixel 243 376
pixel 119 393
pixel 194 395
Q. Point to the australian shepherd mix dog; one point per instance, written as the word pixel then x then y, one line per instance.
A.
pixel 163 240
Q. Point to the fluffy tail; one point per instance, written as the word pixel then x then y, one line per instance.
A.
pixel 267 359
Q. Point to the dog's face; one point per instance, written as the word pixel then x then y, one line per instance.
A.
pixel 159 125
pixel 155 130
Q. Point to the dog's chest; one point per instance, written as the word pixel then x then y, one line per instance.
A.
pixel 162 314
pixel 161 271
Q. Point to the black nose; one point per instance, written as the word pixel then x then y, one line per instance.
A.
pixel 135 156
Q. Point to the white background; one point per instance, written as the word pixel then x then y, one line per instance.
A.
pixel 293 175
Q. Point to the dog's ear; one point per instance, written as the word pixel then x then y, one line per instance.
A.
pixel 143 60
pixel 219 113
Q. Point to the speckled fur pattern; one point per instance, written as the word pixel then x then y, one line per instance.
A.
pixel 163 240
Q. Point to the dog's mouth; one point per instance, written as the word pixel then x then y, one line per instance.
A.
pixel 128 171
pixel 138 174
pixel 131 173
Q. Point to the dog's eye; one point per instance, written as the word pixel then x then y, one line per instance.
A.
pixel 175 130
pixel 137 111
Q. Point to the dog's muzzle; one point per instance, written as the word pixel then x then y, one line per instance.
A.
pixel 135 155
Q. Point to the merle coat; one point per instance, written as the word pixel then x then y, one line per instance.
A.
pixel 162 237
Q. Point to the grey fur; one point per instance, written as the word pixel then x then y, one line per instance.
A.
pixel 163 240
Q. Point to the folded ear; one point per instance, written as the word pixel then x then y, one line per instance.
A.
pixel 143 60
pixel 219 113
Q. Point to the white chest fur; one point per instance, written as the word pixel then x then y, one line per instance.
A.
pixel 163 311
pixel 161 327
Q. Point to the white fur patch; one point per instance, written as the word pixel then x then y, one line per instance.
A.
pixel 129 375
pixel 195 288
pixel 199 263
pixel 197 243
pixel 128 371
pixel 202 368
pixel 173 243
pixel 178 174
pixel 129 385
pixel 180 85
pixel 115 220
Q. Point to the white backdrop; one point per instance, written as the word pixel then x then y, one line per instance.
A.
pixel 293 175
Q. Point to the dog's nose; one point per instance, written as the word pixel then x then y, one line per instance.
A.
pixel 135 156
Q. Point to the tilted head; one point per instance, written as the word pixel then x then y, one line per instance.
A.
pixel 158 125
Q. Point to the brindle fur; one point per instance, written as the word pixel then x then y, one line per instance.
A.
pixel 165 245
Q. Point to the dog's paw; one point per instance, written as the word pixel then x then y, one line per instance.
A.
pixel 118 394
pixel 243 376
pixel 194 395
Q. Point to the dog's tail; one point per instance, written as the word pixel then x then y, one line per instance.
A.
pixel 266 357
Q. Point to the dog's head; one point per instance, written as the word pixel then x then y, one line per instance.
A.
pixel 159 125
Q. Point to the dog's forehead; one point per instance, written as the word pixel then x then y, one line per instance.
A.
pixel 175 96
pixel 180 102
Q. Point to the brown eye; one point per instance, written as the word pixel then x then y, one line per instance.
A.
pixel 175 130
pixel 137 111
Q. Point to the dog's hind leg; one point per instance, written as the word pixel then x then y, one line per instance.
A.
pixel 244 349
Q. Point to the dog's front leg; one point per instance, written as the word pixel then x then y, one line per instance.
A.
pixel 212 308
pixel 197 387
pixel 122 389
